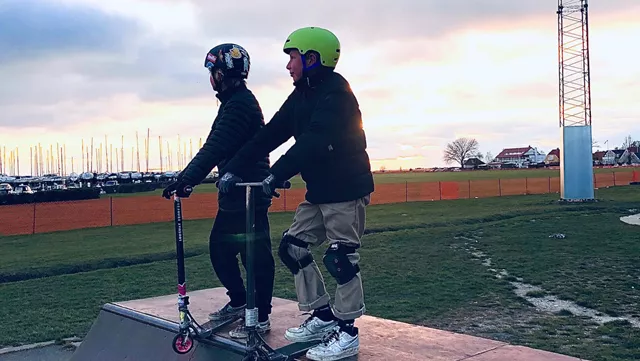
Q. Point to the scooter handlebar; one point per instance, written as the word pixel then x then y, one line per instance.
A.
pixel 283 185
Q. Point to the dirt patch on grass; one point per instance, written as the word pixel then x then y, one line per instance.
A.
pixel 537 296
pixel 530 315
pixel 495 321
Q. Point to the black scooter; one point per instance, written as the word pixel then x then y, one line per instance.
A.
pixel 256 348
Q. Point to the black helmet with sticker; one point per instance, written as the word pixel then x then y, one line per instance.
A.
pixel 232 59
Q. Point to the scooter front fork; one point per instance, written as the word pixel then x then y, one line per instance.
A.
pixel 183 311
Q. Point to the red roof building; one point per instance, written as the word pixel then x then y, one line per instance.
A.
pixel 514 155
pixel 598 156
pixel 553 158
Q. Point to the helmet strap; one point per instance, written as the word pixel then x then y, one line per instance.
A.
pixel 218 84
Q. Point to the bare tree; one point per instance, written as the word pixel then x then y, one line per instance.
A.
pixel 488 157
pixel 628 142
pixel 460 150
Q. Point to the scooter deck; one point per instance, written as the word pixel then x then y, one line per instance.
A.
pixel 296 349
pixel 212 327
pixel 274 339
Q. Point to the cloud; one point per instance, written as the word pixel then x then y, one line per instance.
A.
pixel 38 30
pixel 372 20
pixel 62 57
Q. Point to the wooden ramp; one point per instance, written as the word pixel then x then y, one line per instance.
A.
pixel 143 330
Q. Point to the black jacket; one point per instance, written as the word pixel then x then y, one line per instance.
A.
pixel 239 119
pixel 323 116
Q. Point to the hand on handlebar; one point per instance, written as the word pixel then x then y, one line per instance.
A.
pixel 270 184
pixel 178 188
pixel 227 182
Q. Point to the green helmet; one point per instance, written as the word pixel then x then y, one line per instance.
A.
pixel 317 39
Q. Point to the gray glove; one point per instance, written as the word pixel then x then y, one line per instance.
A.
pixel 227 182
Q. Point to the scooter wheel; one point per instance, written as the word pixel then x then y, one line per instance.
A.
pixel 182 343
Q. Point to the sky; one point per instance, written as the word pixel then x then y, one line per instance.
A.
pixel 425 72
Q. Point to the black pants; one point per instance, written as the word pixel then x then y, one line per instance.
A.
pixel 227 239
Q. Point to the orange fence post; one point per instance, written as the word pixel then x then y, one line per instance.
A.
pixel 406 191
pixel 34 218
pixel 17 219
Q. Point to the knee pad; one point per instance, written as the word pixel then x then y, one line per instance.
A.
pixel 294 265
pixel 338 264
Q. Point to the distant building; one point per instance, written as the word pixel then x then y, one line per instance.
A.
pixel 520 157
pixel 553 158
pixel 630 156
pixel 611 156
pixel 473 163
pixel 598 157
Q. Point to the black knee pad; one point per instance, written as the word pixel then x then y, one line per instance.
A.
pixel 294 265
pixel 338 264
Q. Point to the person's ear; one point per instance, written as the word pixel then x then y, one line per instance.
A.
pixel 219 75
pixel 312 58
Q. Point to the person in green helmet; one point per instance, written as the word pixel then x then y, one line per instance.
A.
pixel 329 153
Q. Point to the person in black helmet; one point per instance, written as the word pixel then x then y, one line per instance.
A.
pixel 239 119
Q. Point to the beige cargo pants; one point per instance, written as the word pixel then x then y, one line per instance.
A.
pixel 335 222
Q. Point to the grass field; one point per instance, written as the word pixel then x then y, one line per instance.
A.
pixel 386 178
pixel 453 265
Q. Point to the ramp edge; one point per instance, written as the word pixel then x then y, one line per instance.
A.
pixel 154 321
pixel 141 317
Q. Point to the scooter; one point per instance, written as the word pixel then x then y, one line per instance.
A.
pixel 189 328
pixel 256 348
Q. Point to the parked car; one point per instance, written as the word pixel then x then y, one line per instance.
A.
pixel 22 188
pixel 5 188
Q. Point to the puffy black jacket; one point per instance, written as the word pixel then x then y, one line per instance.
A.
pixel 239 119
pixel 324 117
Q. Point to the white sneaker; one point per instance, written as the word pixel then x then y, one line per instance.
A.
pixel 336 346
pixel 311 329
pixel 241 331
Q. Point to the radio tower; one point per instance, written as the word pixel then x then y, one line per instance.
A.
pixel 576 162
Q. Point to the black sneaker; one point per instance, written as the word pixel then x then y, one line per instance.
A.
pixel 227 312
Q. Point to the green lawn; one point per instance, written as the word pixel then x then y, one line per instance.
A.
pixel 417 263
pixel 385 178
